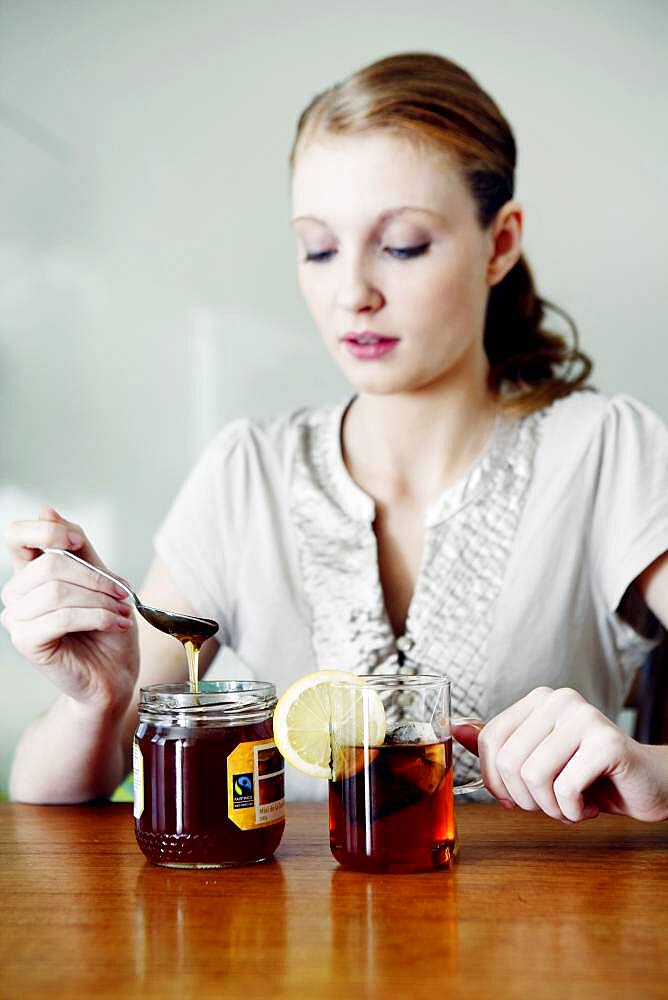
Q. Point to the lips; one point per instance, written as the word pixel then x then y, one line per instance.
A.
pixel 369 346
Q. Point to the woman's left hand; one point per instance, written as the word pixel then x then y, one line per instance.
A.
pixel 554 751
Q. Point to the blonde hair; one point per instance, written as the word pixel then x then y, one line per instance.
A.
pixel 434 101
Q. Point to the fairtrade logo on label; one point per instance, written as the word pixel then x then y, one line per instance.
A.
pixel 242 790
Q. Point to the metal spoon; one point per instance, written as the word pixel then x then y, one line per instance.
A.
pixel 183 627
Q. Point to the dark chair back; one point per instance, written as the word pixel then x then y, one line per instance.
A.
pixel 650 697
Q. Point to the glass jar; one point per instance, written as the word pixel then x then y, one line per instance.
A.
pixel 208 778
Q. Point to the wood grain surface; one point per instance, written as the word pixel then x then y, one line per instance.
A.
pixel 531 909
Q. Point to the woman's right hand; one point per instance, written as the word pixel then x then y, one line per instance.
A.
pixel 70 622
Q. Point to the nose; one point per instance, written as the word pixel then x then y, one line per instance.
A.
pixel 358 292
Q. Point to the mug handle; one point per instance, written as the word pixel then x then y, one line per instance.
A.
pixel 475 783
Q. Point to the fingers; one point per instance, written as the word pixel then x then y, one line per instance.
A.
pixel 55 594
pixel 32 639
pixel 544 751
pixel 542 766
pixel 466 734
pixel 535 752
pixel 492 739
pixel 599 755
pixel 57 568
pixel 27 539
pixel 532 753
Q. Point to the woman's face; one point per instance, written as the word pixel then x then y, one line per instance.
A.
pixel 392 261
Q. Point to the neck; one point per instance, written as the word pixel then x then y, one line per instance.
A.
pixel 412 445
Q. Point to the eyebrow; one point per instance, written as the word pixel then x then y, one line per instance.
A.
pixel 386 216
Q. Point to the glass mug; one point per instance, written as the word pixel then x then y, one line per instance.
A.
pixel 391 795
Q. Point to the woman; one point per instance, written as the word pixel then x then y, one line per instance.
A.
pixel 472 509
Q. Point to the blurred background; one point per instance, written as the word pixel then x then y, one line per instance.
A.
pixel 147 286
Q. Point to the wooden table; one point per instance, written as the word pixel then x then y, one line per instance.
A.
pixel 531 909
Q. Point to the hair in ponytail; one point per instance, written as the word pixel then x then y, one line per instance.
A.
pixel 436 102
pixel 530 366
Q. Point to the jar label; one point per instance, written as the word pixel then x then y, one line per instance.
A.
pixel 138 780
pixel 255 785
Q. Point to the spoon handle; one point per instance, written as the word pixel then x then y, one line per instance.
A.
pixel 108 576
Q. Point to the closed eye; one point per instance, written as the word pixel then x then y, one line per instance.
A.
pixel 401 253
pixel 321 257
pixel 405 253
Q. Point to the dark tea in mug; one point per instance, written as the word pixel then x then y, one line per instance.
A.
pixel 391 792
pixel 397 813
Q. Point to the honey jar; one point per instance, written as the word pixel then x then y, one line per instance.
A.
pixel 208 778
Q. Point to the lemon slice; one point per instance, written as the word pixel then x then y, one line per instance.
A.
pixel 302 720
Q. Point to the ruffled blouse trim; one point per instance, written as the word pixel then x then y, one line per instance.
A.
pixel 469 533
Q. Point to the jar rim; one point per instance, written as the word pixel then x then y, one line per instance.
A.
pixel 210 690
pixel 228 699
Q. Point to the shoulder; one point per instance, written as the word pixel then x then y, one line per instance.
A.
pixel 263 444
pixel 588 421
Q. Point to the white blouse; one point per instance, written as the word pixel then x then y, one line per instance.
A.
pixel 525 564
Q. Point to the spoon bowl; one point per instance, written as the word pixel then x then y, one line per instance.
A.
pixel 185 628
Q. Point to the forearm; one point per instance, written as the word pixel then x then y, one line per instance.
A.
pixel 72 753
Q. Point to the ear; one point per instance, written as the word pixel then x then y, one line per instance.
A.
pixel 506 242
